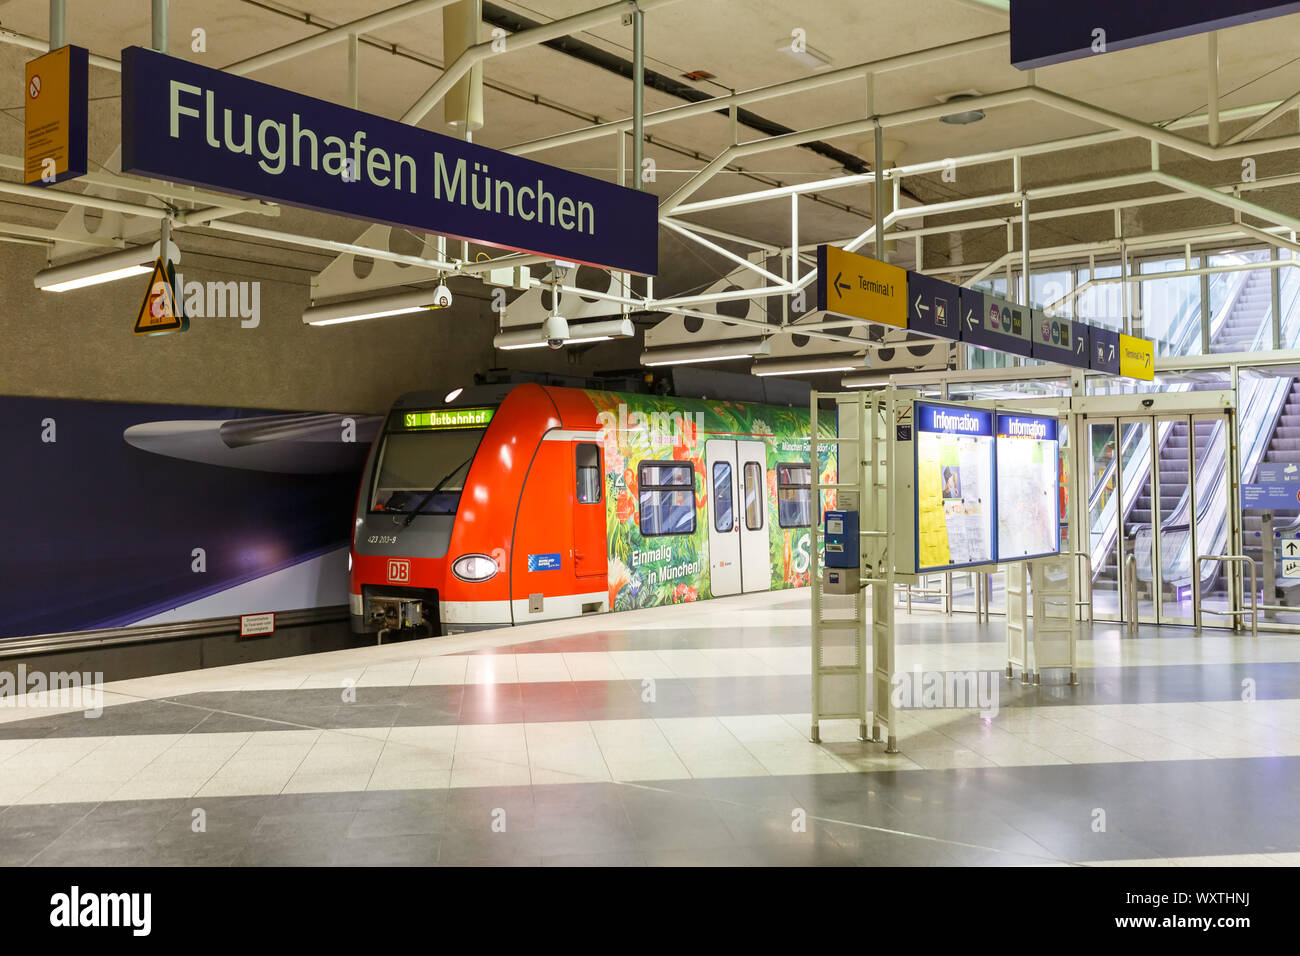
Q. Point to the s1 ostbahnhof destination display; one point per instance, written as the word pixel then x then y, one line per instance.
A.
pixel 1028 479
pixel 954 486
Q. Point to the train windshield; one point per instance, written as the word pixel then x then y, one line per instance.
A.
pixel 423 471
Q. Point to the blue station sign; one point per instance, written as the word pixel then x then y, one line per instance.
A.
pixel 1049 31
pixel 951 420
pixel 191 124
pixel 1027 426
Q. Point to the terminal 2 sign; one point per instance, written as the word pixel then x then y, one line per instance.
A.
pixel 863 288
pixel 188 123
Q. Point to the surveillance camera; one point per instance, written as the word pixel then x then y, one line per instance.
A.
pixel 441 297
pixel 1148 402
pixel 555 330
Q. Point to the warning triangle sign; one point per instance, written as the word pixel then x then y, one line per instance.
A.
pixel 160 311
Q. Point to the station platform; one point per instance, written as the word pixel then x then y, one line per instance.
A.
pixel 673 736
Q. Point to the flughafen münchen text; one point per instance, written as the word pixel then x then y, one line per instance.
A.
pixel 279 144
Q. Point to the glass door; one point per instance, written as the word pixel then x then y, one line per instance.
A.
pixel 1138 494
pixel 1216 523
pixel 1101 487
pixel 1176 525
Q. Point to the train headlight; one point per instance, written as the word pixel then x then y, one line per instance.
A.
pixel 474 567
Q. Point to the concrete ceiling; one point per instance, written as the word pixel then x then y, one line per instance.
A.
pixel 536 92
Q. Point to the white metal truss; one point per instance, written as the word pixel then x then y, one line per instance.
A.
pixel 189 208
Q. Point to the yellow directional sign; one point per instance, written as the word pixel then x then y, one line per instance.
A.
pixel 861 287
pixel 160 312
pixel 1137 358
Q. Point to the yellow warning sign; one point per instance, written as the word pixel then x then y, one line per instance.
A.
pixel 861 287
pixel 160 311
pixel 55 116
pixel 1137 358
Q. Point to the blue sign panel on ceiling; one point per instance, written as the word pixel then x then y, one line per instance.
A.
pixel 1002 325
pixel 1059 340
pixel 933 306
pixel 191 124
pixel 1104 350
pixel 1049 31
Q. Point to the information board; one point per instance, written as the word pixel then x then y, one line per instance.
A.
pixel 1276 488
pixel 1028 484
pixel 954 486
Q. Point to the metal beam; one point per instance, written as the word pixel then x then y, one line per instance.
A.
pixel 638 96
pixel 1212 82
pixel 318 41
pixel 58 24
pixel 154 188
pixel 722 104
pixel 525 38
pixel 159 21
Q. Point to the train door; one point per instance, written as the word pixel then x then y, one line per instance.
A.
pixel 590 540
pixel 755 558
pixel 724 523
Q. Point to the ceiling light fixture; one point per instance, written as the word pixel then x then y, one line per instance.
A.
pixel 963 117
pixel 809 366
pixel 713 352
pixel 375 307
pixel 579 333
pixel 809 56
pixel 866 380
pixel 136 261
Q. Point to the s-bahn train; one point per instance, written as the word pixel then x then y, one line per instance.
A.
pixel 550 502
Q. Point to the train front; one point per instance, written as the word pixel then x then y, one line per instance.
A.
pixel 429 548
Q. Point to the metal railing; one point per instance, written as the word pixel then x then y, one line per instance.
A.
pixel 1131 590
pixel 1254 591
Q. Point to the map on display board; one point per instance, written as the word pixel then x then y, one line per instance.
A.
pixel 1028 487
pixel 954 486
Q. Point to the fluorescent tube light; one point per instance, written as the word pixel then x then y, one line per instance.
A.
pixel 138 260
pixel 375 307
pixel 809 56
pixel 712 352
pixel 809 366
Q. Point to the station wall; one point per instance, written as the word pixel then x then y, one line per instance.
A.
pixel 79 344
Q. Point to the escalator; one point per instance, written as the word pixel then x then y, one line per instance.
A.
pixel 1239 327
pixel 1283 446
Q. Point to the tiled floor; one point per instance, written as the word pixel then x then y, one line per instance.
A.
pixel 674 736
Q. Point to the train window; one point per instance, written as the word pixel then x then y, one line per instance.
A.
pixel 794 494
pixel 722 495
pixel 588 464
pixel 423 471
pixel 667 496
pixel 755 500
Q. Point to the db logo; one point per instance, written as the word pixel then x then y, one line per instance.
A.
pixel 399 571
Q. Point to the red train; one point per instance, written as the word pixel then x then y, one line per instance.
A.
pixel 553 502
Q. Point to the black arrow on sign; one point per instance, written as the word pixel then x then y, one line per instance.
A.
pixel 840 285
pixel 1290 547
